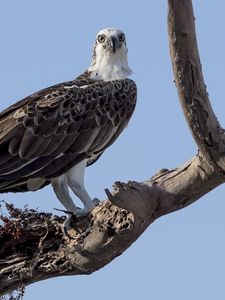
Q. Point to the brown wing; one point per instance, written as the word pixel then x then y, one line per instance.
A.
pixel 45 134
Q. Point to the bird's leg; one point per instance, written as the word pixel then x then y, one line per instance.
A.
pixel 60 187
pixel 75 177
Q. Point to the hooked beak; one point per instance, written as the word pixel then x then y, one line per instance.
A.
pixel 114 44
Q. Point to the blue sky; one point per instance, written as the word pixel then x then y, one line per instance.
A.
pixel 181 255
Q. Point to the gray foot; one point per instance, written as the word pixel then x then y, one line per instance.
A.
pixel 78 215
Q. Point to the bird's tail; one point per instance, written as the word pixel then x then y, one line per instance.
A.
pixel 23 185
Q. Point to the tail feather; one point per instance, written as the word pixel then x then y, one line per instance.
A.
pixel 23 185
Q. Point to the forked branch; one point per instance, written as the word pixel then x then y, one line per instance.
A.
pixel 33 245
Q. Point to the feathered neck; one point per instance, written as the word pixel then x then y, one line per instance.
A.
pixel 109 66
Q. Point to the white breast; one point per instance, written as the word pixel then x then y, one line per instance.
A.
pixel 110 67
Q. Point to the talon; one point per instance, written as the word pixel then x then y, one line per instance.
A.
pixel 65 211
pixel 96 201
pixel 67 225
pixel 76 219
pixel 71 217
pixel 65 231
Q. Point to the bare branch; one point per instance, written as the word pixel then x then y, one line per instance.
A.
pixel 33 246
pixel 200 117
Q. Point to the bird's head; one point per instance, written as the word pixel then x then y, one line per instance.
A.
pixel 109 41
pixel 109 59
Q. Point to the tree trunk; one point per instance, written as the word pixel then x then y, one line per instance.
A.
pixel 34 246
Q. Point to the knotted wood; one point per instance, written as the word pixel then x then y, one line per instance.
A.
pixel 34 246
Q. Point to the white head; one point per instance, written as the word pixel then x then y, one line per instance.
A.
pixel 109 59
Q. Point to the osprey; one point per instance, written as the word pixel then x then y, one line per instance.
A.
pixel 50 136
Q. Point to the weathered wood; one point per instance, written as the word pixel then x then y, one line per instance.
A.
pixel 205 128
pixel 33 245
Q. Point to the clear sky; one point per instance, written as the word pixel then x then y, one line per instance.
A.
pixel 182 255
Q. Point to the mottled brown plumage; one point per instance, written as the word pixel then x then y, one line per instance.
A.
pixel 77 119
pixel 52 135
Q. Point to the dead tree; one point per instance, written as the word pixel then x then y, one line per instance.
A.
pixel 33 245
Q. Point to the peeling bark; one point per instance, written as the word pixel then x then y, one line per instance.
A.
pixel 34 246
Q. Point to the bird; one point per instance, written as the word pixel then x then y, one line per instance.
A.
pixel 51 136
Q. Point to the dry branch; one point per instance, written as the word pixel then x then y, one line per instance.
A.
pixel 33 245
pixel 197 109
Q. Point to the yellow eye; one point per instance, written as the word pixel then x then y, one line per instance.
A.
pixel 121 37
pixel 101 38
